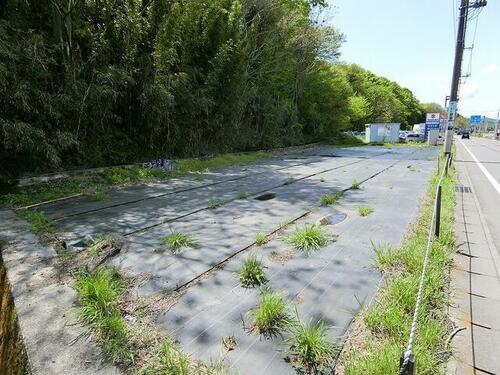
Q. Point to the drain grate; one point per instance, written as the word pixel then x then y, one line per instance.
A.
pixel 462 189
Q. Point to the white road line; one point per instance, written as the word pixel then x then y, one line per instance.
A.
pixel 488 175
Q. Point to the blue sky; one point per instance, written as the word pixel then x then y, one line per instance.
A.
pixel 413 42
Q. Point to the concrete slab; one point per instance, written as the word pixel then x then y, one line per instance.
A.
pixel 54 343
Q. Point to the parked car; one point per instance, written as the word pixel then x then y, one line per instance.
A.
pixel 414 137
pixel 465 135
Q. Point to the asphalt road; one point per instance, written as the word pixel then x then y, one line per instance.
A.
pixel 476 274
pixel 481 158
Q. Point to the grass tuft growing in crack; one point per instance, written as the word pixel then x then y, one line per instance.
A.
pixel 309 347
pixel 261 239
pixel 98 294
pixel 270 317
pixel 213 203
pixel 178 241
pixel 355 185
pixel 38 221
pixel 308 238
pixel 252 272
pixel 365 210
pixel 329 199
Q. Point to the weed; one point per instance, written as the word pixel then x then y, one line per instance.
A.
pixel 386 256
pixel 213 203
pixel 252 272
pixel 309 346
pixel 261 239
pixel 99 196
pixel 308 238
pixel 289 180
pixel 38 221
pixel 98 294
pixel 270 317
pixel 242 195
pixel 365 210
pixel 99 243
pixel 329 199
pixel 355 185
pixel 172 361
pixel 178 241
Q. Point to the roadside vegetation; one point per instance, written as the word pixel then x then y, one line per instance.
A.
pixel 385 325
pixel 39 222
pixel 308 238
pixel 98 185
pixel 252 272
pixel 113 102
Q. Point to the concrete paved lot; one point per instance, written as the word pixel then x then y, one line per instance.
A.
pixel 331 284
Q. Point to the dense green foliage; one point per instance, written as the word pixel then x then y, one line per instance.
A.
pixel 101 82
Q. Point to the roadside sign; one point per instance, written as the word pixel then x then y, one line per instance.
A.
pixel 476 119
pixel 432 121
pixel 432 117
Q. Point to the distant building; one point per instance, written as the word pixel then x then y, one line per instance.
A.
pixel 382 132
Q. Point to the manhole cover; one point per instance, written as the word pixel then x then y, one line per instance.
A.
pixel 266 197
pixel 462 189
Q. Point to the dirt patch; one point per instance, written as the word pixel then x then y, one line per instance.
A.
pixel 282 256
pixel 229 343
pixel 356 338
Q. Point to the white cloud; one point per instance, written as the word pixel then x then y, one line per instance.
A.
pixel 489 69
pixel 469 89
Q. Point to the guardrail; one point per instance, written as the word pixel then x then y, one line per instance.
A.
pixel 408 359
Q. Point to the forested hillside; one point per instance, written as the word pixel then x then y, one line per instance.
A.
pixel 99 82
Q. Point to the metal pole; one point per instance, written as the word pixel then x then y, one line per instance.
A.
pixel 457 69
pixel 438 211
pixel 446 165
pixel 409 368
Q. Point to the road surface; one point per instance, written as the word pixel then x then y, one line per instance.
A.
pixel 476 276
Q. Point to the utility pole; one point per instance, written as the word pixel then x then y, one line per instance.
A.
pixel 457 67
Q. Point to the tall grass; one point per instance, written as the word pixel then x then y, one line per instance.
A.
pixel 98 294
pixel 309 346
pixel 38 221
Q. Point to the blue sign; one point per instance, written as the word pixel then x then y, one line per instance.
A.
pixel 430 126
pixel 476 119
